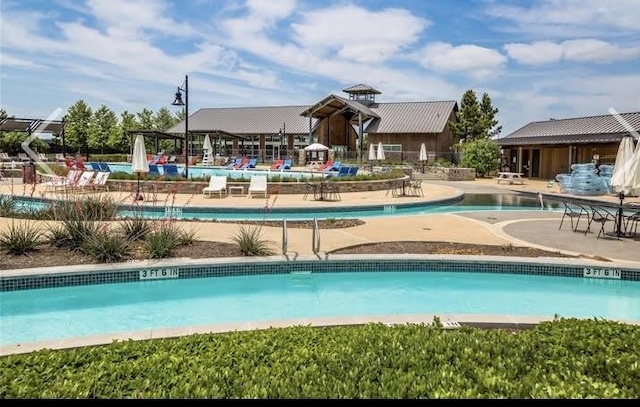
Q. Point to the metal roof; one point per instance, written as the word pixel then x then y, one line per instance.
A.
pixel 362 88
pixel 411 117
pixel 247 120
pixel 402 117
pixel 604 128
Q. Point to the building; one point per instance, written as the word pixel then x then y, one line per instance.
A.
pixel 546 148
pixel 340 123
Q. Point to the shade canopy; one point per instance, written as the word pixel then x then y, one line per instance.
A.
pixel 316 147
pixel 372 152
pixel 423 153
pixel 139 163
pixel 380 152
pixel 625 166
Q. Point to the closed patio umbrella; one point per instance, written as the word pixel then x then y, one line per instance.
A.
pixel 139 163
pixel 372 152
pixel 621 178
pixel 423 155
pixel 380 152
pixel 206 145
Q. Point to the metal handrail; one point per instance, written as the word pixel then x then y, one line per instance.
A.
pixel 284 236
pixel 315 238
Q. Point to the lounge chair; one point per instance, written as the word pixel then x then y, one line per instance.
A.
pixel 171 170
pixel 236 162
pixel 70 179
pixel 217 183
pixel 327 165
pixel 243 162
pixel 59 157
pixel 334 167
pixel 353 171
pixel 342 172
pixel 95 166
pixel 277 165
pixel 251 164
pixel 23 157
pixel 287 165
pixel 153 169
pixel 172 159
pixel 257 185
pixel 100 181
pixel 104 167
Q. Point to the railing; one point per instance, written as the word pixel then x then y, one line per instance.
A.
pixel 284 236
pixel 315 238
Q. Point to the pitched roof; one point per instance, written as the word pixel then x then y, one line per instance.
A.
pixel 247 120
pixel 591 129
pixel 332 104
pixel 361 88
pixel 411 117
pixel 403 117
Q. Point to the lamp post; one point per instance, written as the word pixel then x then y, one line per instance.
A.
pixel 282 134
pixel 178 102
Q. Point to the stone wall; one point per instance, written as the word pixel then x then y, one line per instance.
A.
pixel 459 174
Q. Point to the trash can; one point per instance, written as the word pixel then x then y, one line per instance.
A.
pixel 29 173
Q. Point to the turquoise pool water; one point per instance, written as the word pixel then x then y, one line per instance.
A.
pixel 57 313
pixel 469 203
pixel 198 171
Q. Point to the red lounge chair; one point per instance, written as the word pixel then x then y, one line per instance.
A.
pixel 326 165
pixel 245 160
pixel 277 164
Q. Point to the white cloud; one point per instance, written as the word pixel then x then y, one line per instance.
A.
pixel 472 59
pixel 10 60
pixel 569 18
pixel 356 34
pixel 582 50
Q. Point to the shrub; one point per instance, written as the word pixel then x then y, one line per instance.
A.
pixel 187 237
pixel 251 242
pixel 7 206
pixel 87 208
pixel 482 154
pixel 107 247
pixel 72 233
pixel 20 238
pixel 162 242
pixel 135 228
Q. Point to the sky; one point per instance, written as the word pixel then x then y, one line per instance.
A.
pixel 537 59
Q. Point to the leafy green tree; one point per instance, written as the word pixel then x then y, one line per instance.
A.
pixel 122 139
pixel 488 113
pixel 483 154
pixel 78 123
pixel 164 120
pixel 104 125
pixel 146 119
pixel 475 119
pixel 11 142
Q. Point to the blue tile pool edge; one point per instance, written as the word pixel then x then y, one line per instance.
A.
pixel 36 278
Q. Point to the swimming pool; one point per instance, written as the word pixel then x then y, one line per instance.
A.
pixel 465 203
pixel 199 171
pixel 338 290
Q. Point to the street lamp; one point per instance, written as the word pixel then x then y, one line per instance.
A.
pixel 178 102
pixel 282 134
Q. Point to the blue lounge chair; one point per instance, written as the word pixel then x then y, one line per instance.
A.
pixel 153 169
pixel 233 163
pixel 253 162
pixel 353 171
pixel 335 167
pixel 104 167
pixel 343 171
pixel 95 166
pixel 171 170
pixel 286 165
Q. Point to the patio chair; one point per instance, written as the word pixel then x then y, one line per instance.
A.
pixel 153 169
pixel 104 167
pixel 257 185
pixel 100 181
pixel 276 165
pixel 236 162
pixel 287 164
pixel 171 170
pixel 415 187
pixel 172 159
pixel 217 183
pixel 600 215
pixel 70 179
pixel 353 171
pixel 573 211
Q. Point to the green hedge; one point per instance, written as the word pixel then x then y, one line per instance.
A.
pixel 560 359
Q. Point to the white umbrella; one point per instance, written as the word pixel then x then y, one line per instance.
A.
pixel 380 152
pixel 316 147
pixel 372 152
pixel 206 145
pixel 622 170
pixel 139 163
pixel 423 153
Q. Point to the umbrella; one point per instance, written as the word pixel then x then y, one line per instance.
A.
pixel 380 152
pixel 423 153
pixel 139 162
pixel 622 170
pixel 372 152
pixel 208 150
pixel 316 147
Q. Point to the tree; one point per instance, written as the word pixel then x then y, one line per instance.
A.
pixel 78 119
pixel 11 142
pixel 104 124
pixel 122 139
pixel 483 154
pixel 475 119
pixel 164 120
pixel 488 113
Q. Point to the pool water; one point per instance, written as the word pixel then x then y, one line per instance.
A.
pixel 199 171
pixel 58 313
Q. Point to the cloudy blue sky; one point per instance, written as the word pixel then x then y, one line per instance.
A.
pixel 536 58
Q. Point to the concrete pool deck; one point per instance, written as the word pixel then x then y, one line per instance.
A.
pixel 522 228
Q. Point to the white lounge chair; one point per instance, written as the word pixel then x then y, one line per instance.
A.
pixel 257 185
pixel 217 183
pixel 61 182
pixel 43 157
pixel 100 181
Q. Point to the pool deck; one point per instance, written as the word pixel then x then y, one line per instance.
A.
pixel 537 229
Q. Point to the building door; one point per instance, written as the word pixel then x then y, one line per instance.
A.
pixel 276 152
pixel 535 163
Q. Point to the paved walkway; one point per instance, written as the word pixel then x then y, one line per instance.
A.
pixel 523 228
